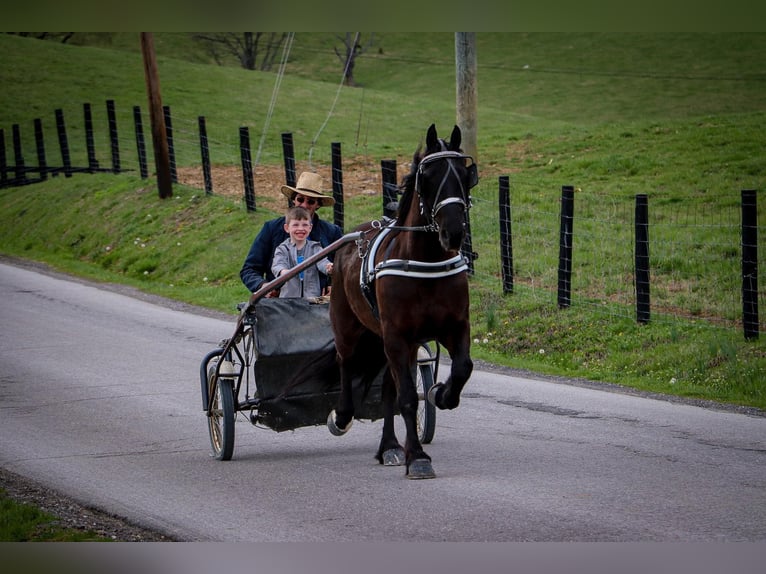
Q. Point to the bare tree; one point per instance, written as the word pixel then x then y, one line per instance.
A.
pixel 352 49
pixel 62 37
pixel 245 46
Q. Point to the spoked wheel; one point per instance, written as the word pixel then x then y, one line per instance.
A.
pixel 424 380
pixel 221 420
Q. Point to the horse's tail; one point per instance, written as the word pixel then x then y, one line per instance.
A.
pixel 366 365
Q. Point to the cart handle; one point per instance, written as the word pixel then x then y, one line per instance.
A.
pixel 293 271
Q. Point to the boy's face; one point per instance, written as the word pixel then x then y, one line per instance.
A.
pixel 298 229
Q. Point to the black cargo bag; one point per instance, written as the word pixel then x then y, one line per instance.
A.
pixel 296 373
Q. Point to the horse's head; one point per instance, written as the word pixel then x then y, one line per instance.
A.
pixel 443 178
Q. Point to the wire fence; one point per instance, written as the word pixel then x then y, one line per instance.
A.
pixel 704 258
pixel 695 253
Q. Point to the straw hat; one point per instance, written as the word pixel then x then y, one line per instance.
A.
pixel 309 185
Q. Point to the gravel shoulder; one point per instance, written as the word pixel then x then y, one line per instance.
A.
pixel 72 515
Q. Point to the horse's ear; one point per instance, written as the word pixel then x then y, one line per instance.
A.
pixel 455 139
pixel 432 140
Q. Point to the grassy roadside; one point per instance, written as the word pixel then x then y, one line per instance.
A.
pixel 22 522
pixel 32 512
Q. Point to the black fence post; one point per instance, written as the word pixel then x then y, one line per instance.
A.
pixel 3 161
pixel 565 247
pixel 66 160
pixel 205 150
pixel 140 143
pixel 113 138
pixel 171 149
pixel 289 158
pixel 18 156
pixel 388 175
pixel 42 165
pixel 90 142
pixel 506 239
pixel 643 310
pixel 337 184
pixel 247 167
pixel 750 263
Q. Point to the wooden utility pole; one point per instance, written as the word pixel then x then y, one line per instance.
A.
pixel 466 90
pixel 156 114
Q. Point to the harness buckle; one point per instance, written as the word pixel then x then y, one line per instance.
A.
pixel 362 246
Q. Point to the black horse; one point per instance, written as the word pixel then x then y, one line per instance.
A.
pixel 404 286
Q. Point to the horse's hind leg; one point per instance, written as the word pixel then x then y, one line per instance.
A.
pixel 342 416
pixel 390 452
pixel 360 359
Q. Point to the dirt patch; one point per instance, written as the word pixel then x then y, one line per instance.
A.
pixel 360 177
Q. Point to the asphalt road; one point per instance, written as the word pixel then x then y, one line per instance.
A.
pixel 100 400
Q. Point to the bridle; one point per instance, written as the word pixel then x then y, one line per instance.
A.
pixel 450 157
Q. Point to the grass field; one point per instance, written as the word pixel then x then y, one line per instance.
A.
pixel 677 117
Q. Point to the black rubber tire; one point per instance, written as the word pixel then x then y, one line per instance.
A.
pixel 424 380
pixel 221 420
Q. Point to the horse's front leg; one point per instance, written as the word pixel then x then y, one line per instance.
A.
pixel 447 395
pixel 418 463
pixel 390 452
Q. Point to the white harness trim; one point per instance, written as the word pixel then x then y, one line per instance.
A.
pixel 421 269
pixel 407 267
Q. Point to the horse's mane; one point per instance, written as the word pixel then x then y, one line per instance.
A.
pixel 407 187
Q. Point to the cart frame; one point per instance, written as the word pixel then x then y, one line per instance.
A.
pixel 229 386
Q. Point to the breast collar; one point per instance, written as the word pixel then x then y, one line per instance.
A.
pixel 370 271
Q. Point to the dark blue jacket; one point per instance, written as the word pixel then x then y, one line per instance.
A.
pixel 257 266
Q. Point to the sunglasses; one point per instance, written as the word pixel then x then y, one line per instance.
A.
pixel 306 200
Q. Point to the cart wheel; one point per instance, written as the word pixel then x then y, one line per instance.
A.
pixel 424 380
pixel 221 420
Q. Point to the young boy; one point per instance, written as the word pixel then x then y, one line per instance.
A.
pixel 296 249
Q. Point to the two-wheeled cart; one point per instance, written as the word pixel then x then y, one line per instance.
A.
pixel 278 368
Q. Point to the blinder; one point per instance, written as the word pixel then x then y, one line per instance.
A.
pixel 473 174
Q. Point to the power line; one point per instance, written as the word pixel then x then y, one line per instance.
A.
pixel 337 95
pixel 277 84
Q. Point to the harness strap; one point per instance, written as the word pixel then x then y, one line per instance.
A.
pixel 421 269
pixel 369 271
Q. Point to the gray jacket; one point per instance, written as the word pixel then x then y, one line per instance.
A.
pixel 286 257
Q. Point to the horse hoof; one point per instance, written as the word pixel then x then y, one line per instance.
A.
pixel 335 429
pixel 420 468
pixel 433 391
pixel 393 457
